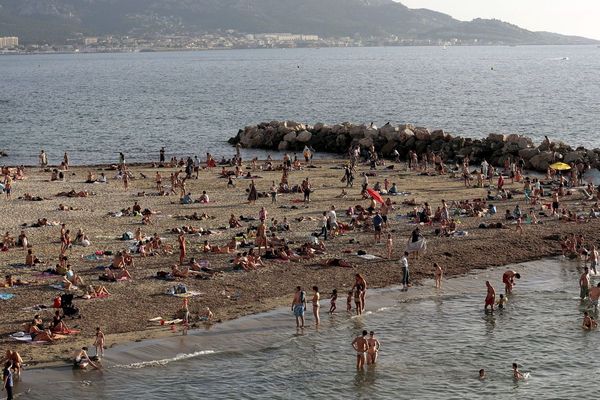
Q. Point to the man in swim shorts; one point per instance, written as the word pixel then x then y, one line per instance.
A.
pixel 584 284
pixel 361 346
pixel 299 306
pixel 594 259
pixel 508 278
pixel 490 297
pixel 374 346
pixel 595 295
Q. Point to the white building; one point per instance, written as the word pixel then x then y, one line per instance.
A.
pixel 9 42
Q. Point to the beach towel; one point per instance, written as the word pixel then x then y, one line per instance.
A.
pixel 369 256
pixel 6 296
pixel 95 257
pixel 418 246
pixel 67 331
pixel 190 293
pixel 25 338
pixel 58 286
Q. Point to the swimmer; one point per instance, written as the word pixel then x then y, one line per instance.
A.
pixel 517 375
pixel 374 347
pixel 361 346
pixel 482 374
pixel 588 322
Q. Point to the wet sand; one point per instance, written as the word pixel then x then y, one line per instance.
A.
pixel 124 315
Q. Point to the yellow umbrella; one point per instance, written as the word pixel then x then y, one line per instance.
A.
pixel 560 166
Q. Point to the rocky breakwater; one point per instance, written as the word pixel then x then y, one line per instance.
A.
pixel 496 148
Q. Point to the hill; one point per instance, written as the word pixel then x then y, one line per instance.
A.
pixel 55 21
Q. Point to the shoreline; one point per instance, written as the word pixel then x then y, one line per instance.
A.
pixel 261 290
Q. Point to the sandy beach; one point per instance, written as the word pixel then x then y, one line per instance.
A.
pixel 124 315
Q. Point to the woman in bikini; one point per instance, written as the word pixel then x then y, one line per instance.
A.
pixel 316 304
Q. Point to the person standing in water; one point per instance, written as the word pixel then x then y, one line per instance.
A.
pixel 361 346
pixel 594 259
pixel 508 278
pixel 316 304
pixel 437 275
pixel 584 284
pixel 373 351
pixel 594 296
pixel 99 343
pixel 299 306
pixel 490 298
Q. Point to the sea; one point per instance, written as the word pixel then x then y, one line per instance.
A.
pixel 96 105
pixel 433 343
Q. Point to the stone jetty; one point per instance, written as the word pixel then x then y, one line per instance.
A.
pixel 495 148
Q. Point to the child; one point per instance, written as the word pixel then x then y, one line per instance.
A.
pixel 389 246
pixel 519 227
pixel 349 301
pixel 333 300
pixel 99 343
pixel 501 302
pixel 437 275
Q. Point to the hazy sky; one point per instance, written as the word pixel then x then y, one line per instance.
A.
pixel 570 17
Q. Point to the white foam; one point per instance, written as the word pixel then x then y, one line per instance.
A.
pixel 165 361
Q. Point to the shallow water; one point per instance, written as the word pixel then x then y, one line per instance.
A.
pixel 95 105
pixel 433 344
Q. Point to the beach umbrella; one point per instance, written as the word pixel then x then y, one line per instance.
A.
pixel 375 195
pixel 560 166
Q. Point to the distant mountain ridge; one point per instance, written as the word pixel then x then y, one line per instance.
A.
pixel 55 21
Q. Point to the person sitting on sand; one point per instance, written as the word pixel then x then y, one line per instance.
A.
pixel 8 240
pixel 234 222
pixel 58 325
pixel 203 198
pixel 72 278
pixel 81 359
pixel 96 291
pixel 206 315
pixel 180 273
pixel 82 239
pixel 30 259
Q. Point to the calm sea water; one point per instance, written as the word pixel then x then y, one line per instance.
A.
pixel 433 344
pixel 95 105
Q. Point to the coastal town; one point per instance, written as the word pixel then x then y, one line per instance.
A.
pixel 220 40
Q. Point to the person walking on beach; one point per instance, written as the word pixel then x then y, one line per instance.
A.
pixel 361 346
pixel 405 271
pixel 252 193
pixel 7 380
pixel 323 226
pixel 378 226
pixel 182 249
pixel 508 278
pixel 43 157
pixel 490 298
pixel 316 305
pixel 584 284
pixel 299 306
pixel 373 351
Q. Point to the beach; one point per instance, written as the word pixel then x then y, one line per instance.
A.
pixel 124 316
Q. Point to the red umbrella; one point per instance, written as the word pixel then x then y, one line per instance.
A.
pixel 375 195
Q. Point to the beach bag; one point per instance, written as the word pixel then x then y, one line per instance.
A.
pixel 180 289
pixel 127 236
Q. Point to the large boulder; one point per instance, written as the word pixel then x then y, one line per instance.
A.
pixel 438 135
pixel 290 137
pixel 366 142
pixel 318 126
pixel 283 146
pixel 388 148
pixel 541 161
pixel 527 154
pixel 496 137
pixel 573 156
pixel 304 137
pixel 405 134
pixel 422 133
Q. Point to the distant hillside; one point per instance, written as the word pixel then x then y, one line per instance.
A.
pixel 54 21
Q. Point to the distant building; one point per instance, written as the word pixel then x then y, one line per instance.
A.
pixel 90 40
pixel 8 42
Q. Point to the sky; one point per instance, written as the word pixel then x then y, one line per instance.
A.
pixel 569 17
